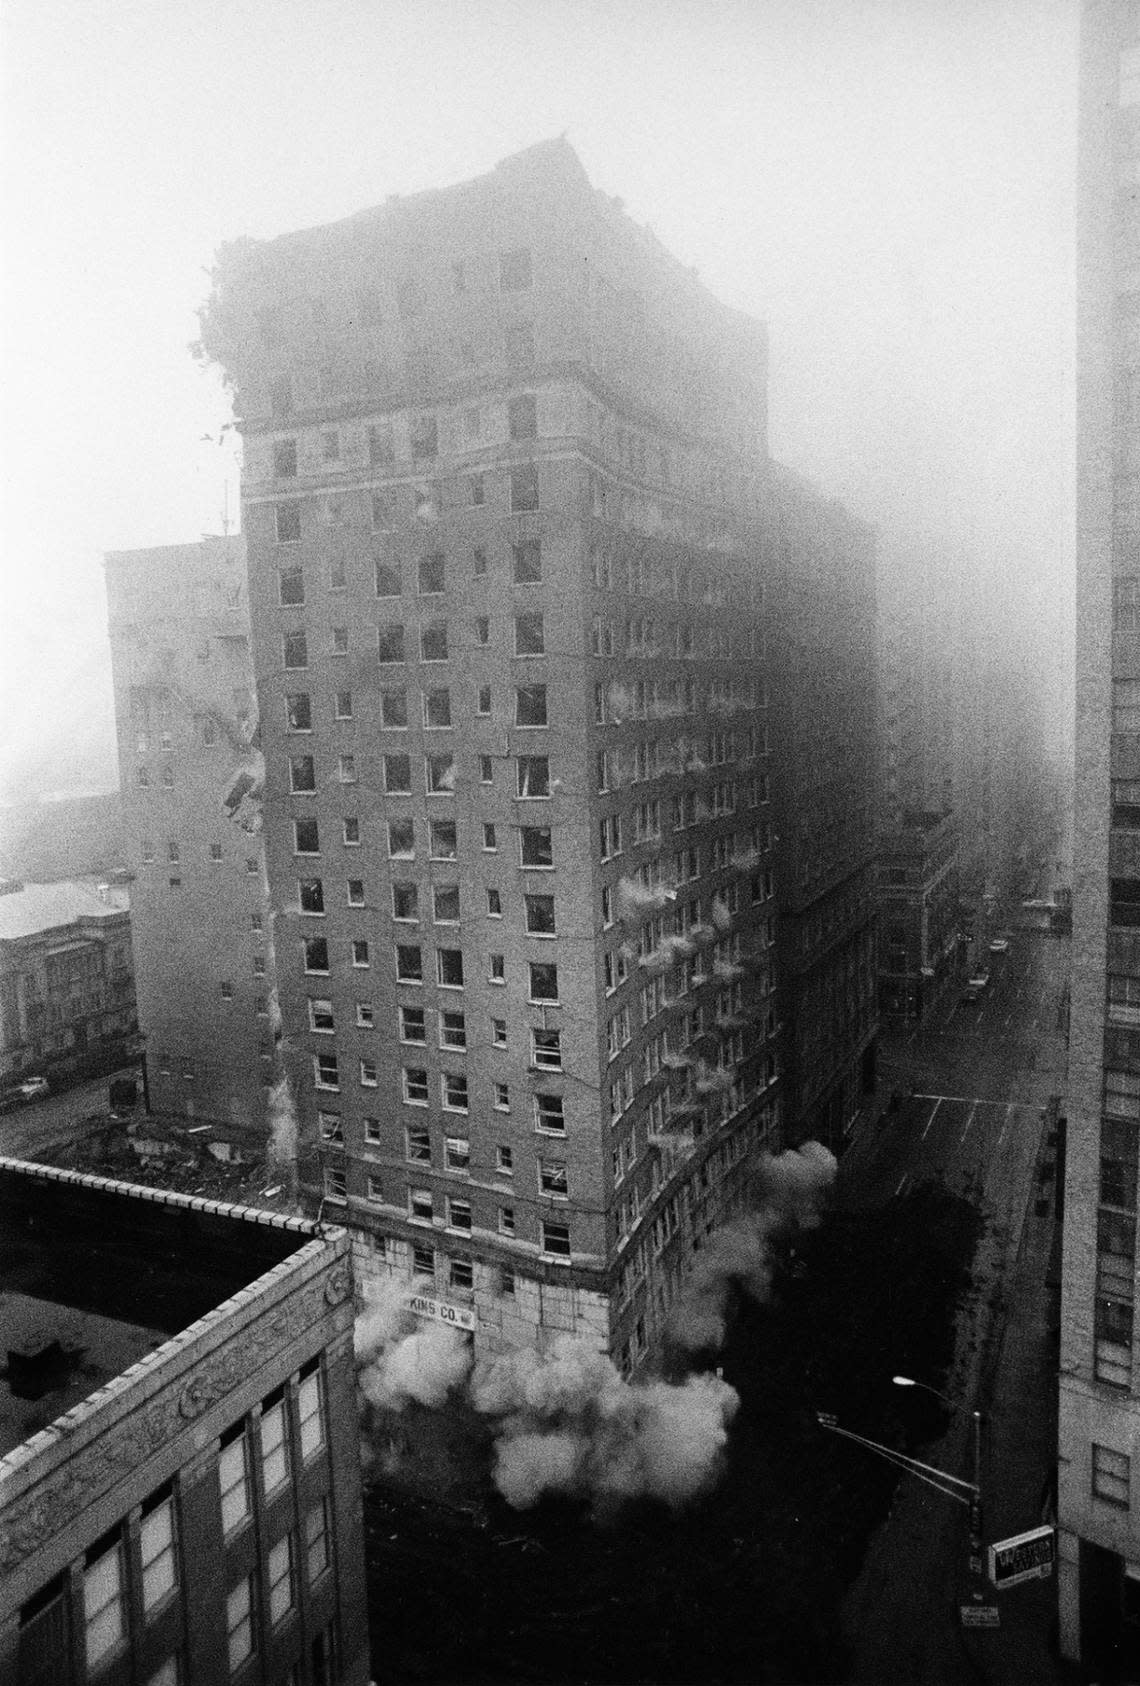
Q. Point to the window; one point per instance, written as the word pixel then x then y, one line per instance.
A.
pixel 497 968
pixel 274 1450
pixel 549 1115
pixel 340 641
pixel 288 522
pixel 365 1015
pixel 338 577
pixel 388 581
pixel 417 1137
pixel 522 417
pixel 409 963
pixel 285 460
pixel 433 641
pixel 540 916
pixel 494 904
pixel 498 1033
pixel 321 1014
pixel 536 847
pixel 401 840
pixel 216 852
pixel 239 1624
pixel 546 1049
pixel 331 1127
pixel 482 629
pixel 440 775
pixel 326 1074
pixel 342 709
pixel 359 952
pixel 394 708
pixel 543 981
pixel 490 842
pixel 457 1153
pixel 350 832
pixel 346 769
pixel 279 1570
pixel 459 1215
pixel 479 561
pixel 104 1613
pixel 530 639
pixel 552 1177
pixel 306 837
pixel 505 1159
pixel 420 1207
pixel 532 774
pixel 295 650
pixel 311 895
pixel 412 1025
pixel 335 1183
pixel 502 1097
pixel 291 586
pixel 437 708
pixel 415 1086
pixel 506 1220
pixel 483 705
pixel 445 904
pixel 515 270
pixel 233 1480
pixel 227 991
pixel 390 641
pixel 1111 1475
pixel 530 705
pixel 1124 901
pixel 453 1031
pixel 355 889
pixel 425 438
pixel 369 1076
pixel 443 840
pixel 298 712
pixel 317 1555
pixel 330 445
pixel 524 488
pixel 555 1239
pixel 316 954
pixel 398 775
pixel 405 901
pixel 430 575
pixel 381 445
pixel 302 775
pixel 449 967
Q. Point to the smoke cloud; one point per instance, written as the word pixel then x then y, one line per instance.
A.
pixel 791 1187
pixel 401 1358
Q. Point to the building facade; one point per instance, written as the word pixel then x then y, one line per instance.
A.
pixel 918 912
pixel 191 774
pixel 67 992
pixel 1099 1421
pixel 505 493
pixel 180 1497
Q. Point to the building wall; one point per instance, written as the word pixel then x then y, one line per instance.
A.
pixel 407 380
pixel 1100 1385
pixel 191 773
pixel 74 1498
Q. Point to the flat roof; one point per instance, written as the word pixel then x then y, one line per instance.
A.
pixel 48 907
pixel 95 1274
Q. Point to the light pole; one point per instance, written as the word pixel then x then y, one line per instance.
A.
pixel 976 1541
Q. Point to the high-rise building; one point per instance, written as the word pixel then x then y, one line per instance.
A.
pixel 510 516
pixel 1099 1426
pixel 191 778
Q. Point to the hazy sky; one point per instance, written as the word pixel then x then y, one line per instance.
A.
pixel 888 182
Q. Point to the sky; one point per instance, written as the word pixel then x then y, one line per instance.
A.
pixel 888 183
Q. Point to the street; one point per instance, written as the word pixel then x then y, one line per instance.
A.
pixel 981 1076
pixel 38 1126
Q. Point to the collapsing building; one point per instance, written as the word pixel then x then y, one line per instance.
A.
pixel 516 556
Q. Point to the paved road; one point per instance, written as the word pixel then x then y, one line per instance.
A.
pixel 40 1125
pixel 981 1075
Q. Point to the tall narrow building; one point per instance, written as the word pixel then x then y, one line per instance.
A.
pixel 190 777
pixel 508 509
pixel 1099 1430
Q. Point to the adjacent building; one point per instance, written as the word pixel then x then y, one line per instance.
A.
pixel 180 1497
pixel 67 993
pixel 1099 1428
pixel 191 776
pixel 918 911
pixel 512 532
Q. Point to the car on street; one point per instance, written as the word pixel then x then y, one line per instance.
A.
pixel 999 945
pixel 32 1087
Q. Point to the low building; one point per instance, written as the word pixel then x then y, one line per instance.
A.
pixel 918 903
pixel 67 990
pixel 180 1498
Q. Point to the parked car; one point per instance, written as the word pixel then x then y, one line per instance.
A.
pixel 32 1087
pixel 970 993
pixel 999 945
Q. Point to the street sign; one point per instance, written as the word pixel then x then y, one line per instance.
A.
pixel 980 1615
pixel 458 1316
pixel 1023 1557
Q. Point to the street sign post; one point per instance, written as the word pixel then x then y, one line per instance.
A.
pixel 1023 1557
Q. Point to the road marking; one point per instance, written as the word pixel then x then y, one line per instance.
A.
pixel 980 1100
pixel 1008 1016
pixel 937 1103
pixel 1005 1123
pixel 903 1180
pixel 969 1121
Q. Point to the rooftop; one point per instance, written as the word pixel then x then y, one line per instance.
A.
pixel 96 1275
pixel 33 908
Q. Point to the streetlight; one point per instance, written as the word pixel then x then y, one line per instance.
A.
pixel 976 1497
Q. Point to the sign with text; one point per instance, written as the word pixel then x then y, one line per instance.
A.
pixel 980 1615
pixel 1023 1557
pixel 459 1316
